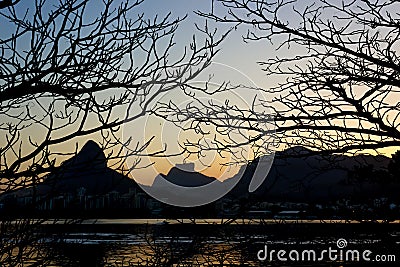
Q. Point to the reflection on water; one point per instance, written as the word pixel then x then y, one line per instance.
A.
pixel 219 221
pixel 212 221
pixel 111 249
pixel 208 243
pixel 183 251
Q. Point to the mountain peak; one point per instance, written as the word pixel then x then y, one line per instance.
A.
pixel 91 154
pixel 88 169
pixel 91 146
pixel 181 177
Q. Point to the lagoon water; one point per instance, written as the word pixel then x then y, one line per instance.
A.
pixel 212 242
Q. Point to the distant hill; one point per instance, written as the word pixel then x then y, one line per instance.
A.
pixel 297 177
pixel 293 177
pixel 87 169
pixel 183 177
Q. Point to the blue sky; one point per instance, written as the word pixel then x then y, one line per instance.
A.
pixel 234 52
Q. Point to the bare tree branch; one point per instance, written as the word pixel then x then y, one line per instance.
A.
pixel 338 69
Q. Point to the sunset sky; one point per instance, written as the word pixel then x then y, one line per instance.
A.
pixel 237 61
pixel 235 54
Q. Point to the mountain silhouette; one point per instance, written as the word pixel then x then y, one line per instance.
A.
pixel 300 178
pixel 87 169
pixel 294 176
pixel 90 156
pixel 184 176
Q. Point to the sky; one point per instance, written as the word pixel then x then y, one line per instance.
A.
pixel 235 55
pixel 236 61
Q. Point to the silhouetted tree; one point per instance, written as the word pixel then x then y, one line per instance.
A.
pixel 79 69
pixel 7 3
pixel 65 74
pixel 336 64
